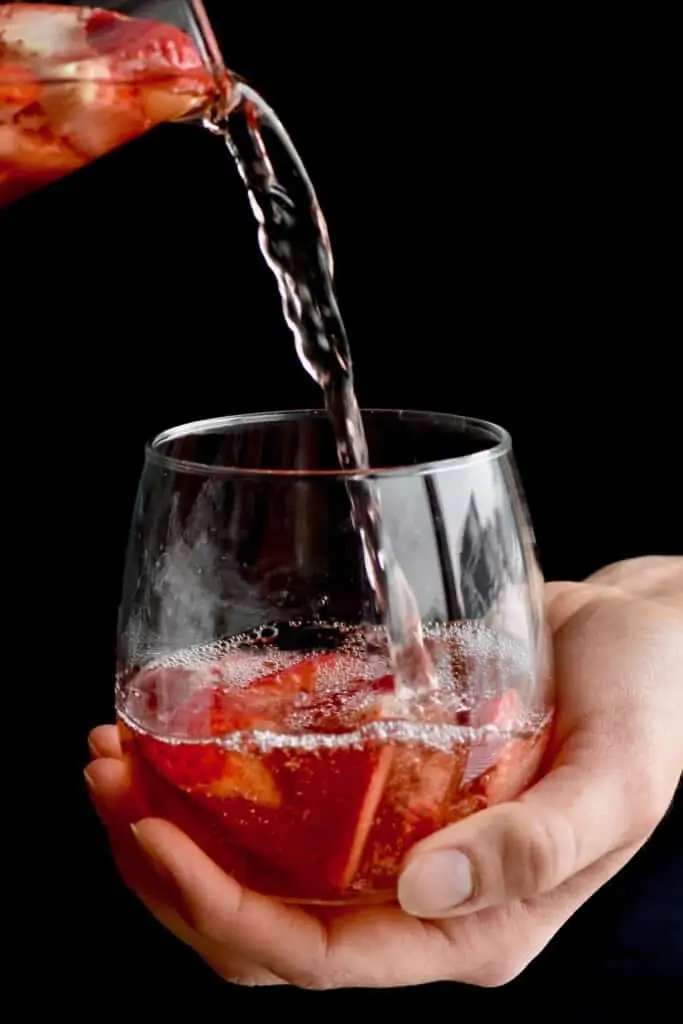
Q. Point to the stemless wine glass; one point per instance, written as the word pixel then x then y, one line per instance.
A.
pixel 255 694
pixel 79 79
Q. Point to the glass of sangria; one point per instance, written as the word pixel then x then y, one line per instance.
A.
pixel 77 81
pixel 256 693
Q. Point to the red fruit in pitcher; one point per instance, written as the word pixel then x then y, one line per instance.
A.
pixel 92 116
pixel 138 48
pixel 36 154
pixel 18 88
pixel 88 81
pixel 160 59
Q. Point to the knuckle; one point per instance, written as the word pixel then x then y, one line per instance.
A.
pixel 318 974
pixel 196 918
pixel 495 974
pixel 651 805
pixel 538 851
pixel 311 981
pixel 648 788
pixel 200 916
pixel 492 951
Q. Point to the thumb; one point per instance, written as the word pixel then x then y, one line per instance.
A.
pixel 614 774
pixel 569 820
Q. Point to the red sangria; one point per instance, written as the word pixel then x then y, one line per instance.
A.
pixel 296 769
pixel 76 82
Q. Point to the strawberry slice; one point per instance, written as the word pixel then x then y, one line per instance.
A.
pixel 244 776
pixel 503 712
pixel 304 816
pixel 138 48
pixel 18 87
pixel 210 772
pixel 416 805
pixel 262 704
pixel 434 776
pixel 498 769
pixel 344 705
pixel 300 678
pixel 514 770
pixel 206 769
pixel 316 841
pixel 210 702
pixel 215 711
pixel 94 117
pixel 383 685
pixel 331 796
pixel 374 779
pixel 36 153
pixel 160 59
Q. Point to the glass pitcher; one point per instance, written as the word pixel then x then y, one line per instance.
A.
pixel 77 81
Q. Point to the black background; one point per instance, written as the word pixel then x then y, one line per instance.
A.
pixel 501 196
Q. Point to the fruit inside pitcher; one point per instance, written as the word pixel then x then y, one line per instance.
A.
pixel 76 82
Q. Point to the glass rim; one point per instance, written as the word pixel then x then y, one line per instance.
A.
pixel 486 430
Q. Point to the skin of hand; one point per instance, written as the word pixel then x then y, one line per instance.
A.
pixel 480 899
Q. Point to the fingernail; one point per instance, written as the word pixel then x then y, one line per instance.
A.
pixel 150 853
pixel 435 883
pixel 92 749
pixel 89 781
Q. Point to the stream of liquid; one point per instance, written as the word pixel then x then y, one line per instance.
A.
pixel 294 240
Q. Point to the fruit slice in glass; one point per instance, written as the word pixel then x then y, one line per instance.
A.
pixel 78 81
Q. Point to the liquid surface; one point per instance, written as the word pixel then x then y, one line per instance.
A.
pixel 286 756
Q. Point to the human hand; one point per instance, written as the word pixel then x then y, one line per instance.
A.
pixel 615 760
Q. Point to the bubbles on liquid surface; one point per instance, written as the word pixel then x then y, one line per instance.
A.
pixel 352 702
